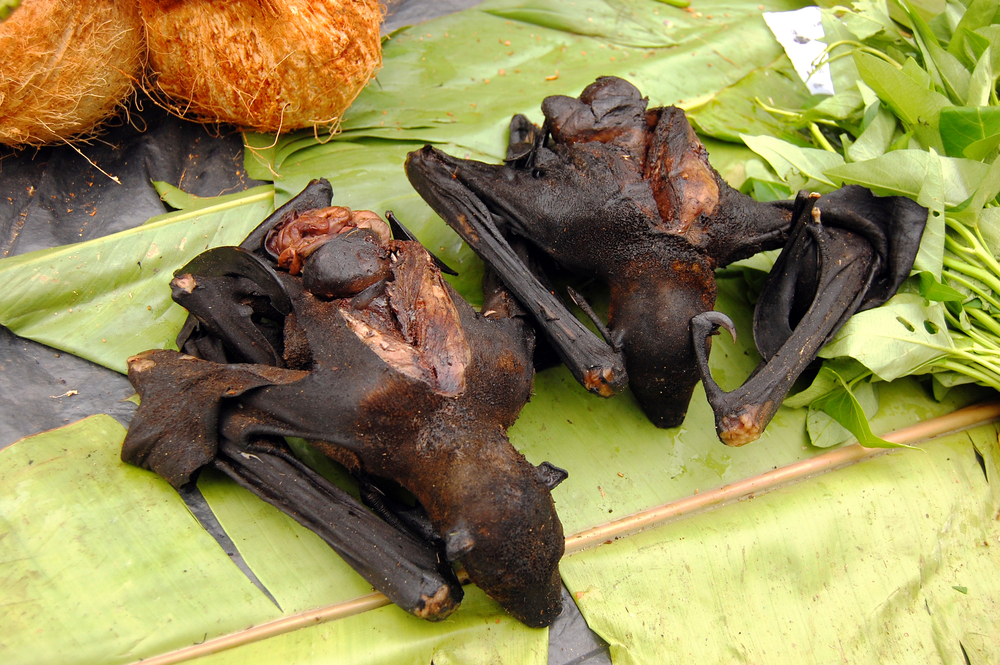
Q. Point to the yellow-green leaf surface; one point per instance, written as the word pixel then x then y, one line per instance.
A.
pixel 856 566
pixel 103 563
pixel 477 634
pixel 109 298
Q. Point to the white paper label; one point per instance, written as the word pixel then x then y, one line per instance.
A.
pixel 800 33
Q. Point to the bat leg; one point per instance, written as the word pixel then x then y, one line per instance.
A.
pixel 232 294
pixel 411 572
pixel 207 340
pixel 846 264
pixel 593 363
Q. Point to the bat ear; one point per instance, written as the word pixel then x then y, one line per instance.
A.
pixel 458 542
pixel 550 474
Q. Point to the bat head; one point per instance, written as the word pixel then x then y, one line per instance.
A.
pixel 506 533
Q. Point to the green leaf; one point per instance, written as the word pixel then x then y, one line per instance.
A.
pixel 825 431
pixel 91 541
pixel 988 189
pixel 932 289
pixel 983 80
pixel 623 21
pixel 933 196
pixel 827 380
pixel 259 154
pixel 894 340
pixel 743 107
pixel 862 27
pixel 788 160
pixel 178 199
pixel 964 126
pixel 953 73
pixel 874 11
pixel 846 105
pixel 979 14
pixel 878 545
pixel 767 191
pixel 7 8
pixel 109 298
pixel 989 226
pixel 973 44
pixel 843 406
pixel 911 101
pixel 983 149
pixel 904 172
pixel 926 41
pixel 876 138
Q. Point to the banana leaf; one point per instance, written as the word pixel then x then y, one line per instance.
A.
pixel 103 563
pixel 107 299
pixel 894 559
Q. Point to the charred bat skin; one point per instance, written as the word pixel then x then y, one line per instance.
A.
pixel 362 349
pixel 610 188
pixel 849 251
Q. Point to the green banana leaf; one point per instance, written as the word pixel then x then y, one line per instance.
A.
pixel 108 299
pixel 103 563
pixel 894 559
pixel 74 520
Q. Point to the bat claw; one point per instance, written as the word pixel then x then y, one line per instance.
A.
pixel 711 322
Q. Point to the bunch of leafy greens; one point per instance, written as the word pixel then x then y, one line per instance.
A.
pixel 915 114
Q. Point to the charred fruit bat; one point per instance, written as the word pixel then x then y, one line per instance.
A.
pixel 608 187
pixel 362 349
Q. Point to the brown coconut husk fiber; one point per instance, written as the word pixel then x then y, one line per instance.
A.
pixel 267 65
pixel 66 65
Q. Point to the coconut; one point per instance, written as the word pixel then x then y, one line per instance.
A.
pixel 268 65
pixel 66 65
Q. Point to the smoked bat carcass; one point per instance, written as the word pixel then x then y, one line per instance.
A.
pixel 322 326
pixel 610 188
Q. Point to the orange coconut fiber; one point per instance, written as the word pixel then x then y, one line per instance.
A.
pixel 66 65
pixel 268 65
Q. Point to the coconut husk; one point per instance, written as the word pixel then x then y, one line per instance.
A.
pixel 267 65
pixel 66 65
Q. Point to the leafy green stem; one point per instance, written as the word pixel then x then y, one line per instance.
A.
pixel 983 276
pixel 820 139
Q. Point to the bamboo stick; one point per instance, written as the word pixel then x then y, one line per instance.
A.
pixel 968 417
pixel 271 629
pixel 978 414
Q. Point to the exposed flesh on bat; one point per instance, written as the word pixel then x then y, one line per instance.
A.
pixel 380 365
pixel 610 188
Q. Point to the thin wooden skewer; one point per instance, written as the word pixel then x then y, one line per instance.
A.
pixel 962 419
pixel 271 629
